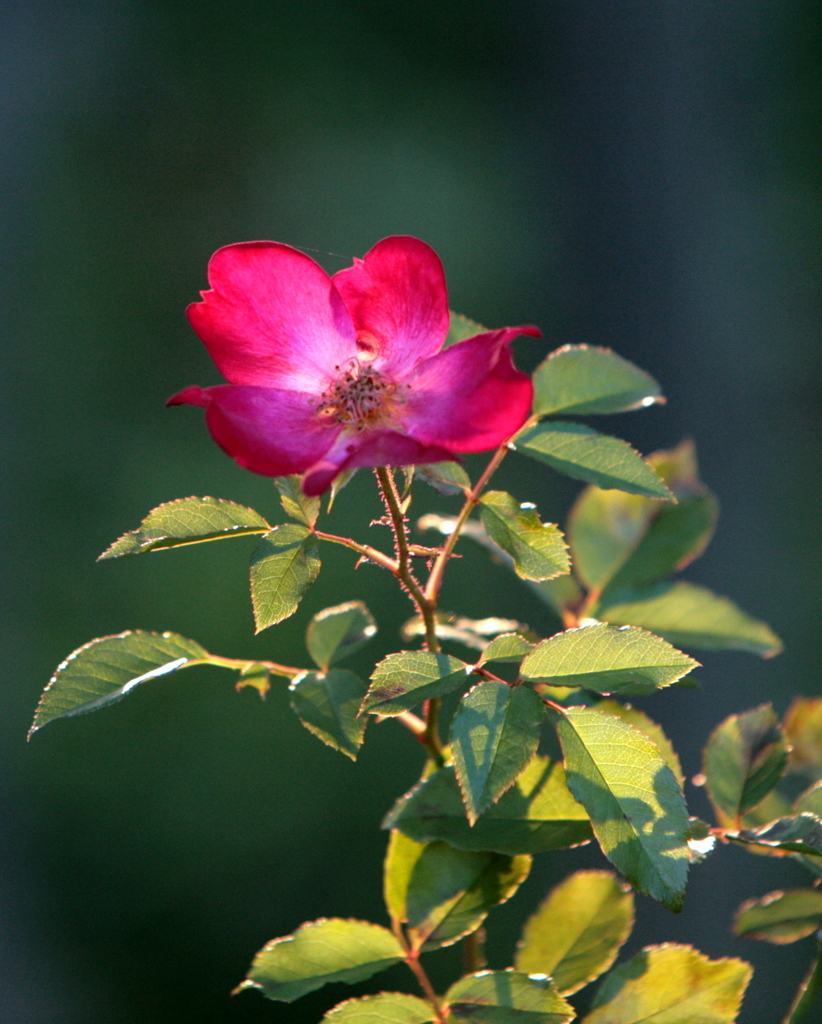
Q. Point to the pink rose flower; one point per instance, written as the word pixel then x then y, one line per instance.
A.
pixel 332 373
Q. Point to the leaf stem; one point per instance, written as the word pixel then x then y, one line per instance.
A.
pixel 363 549
pixel 419 973
pixel 287 671
pixel 432 587
pixel 809 989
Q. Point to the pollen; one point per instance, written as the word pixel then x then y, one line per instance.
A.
pixel 361 397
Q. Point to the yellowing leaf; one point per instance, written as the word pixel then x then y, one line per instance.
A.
pixel 671 984
pixel 578 930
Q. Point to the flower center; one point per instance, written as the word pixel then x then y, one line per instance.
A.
pixel 361 397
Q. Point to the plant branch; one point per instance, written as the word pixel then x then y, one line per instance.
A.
pixel 432 587
pixel 419 973
pixel 809 989
pixel 363 549
pixel 473 951
pixel 388 489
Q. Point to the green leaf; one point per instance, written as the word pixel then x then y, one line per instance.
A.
pixel 582 381
pixel 188 521
pixel 578 930
pixel 494 734
pixel 401 681
pixel 582 453
pixel 745 758
pixel 337 484
pixel 803 731
pixel 320 952
pixel 559 593
pixel 446 477
pixel 620 540
pixel 639 720
pixel 336 632
pixel 810 801
pixel 536 814
pixel 691 616
pixel 635 803
pixel 383 1008
pixel 328 704
pixel 295 502
pixel 780 917
pixel 442 894
pixel 461 328
pixel 507 997
pixel 284 565
pixel 507 647
pixel 607 659
pixel 104 670
pixel 538 548
pixel 801 833
pixel 671 984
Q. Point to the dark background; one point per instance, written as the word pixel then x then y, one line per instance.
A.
pixel 641 175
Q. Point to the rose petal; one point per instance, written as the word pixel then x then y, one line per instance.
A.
pixel 397 298
pixel 266 430
pixel 471 397
pixel 272 318
pixel 380 448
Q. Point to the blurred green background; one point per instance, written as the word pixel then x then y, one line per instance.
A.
pixel 639 175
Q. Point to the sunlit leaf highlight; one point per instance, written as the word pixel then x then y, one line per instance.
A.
pixel 780 917
pixel 320 952
pixel 507 997
pixel 538 549
pixel 383 1008
pixel 671 984
pixel 284 564
pixel 607 659
pixel 635 803
pixel 578 930
pixel 188 521
pixel 583 380
pixel 106 669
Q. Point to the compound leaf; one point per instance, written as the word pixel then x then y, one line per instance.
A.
pixel 328 705
pixel 671 984
pixel 284 565
pixel 780 917
pixel 494 734
pixel 635 803
pixel 607 659
pixel 584 454
pixel 507 997
pixel 583 380
pixel 334 633
pixel 578 930
pixel 188 521
pixel 319 952
pixel 104 670
pixel 403 680
pixel 537 813
pixel 691 616
pixel 538 548
pixel 745 758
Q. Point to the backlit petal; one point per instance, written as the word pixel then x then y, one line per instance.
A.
pixel 380 448
pixel 266 430
pixel 272 318
pixel 397 298
pixel 470 398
